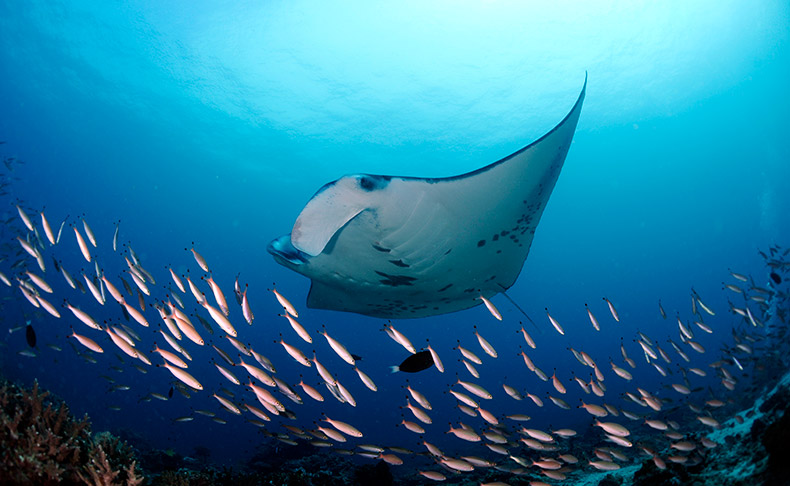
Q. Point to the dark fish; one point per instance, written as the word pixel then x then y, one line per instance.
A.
pixel 170 393
pixel 30 335
pixel 205 324
pixel 57 265
pixel 416 362
pixel 776 278
pixel 79 285
pixel 237 291
pixel 125 313
pixel 126 286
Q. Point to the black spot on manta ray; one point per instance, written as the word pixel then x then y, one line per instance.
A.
pixel 395 280
pixel 380 248
pixel 495 237
pixel 481 243
pixel 399 263
pixel 373 182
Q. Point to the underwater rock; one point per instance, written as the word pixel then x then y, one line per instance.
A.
pixel 650 475
pixel 370 475
pixel 610 480
pixel 775 441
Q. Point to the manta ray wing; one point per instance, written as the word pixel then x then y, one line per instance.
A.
pixel 404 247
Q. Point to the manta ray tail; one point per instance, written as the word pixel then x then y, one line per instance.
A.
pixel 520 309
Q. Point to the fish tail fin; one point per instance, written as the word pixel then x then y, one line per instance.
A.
pixel 394 369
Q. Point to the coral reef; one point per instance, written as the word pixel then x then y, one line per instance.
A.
pixel 42 443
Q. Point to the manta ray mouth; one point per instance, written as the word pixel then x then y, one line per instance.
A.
pixel 285 253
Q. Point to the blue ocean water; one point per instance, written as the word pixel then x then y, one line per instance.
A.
pixel 212 124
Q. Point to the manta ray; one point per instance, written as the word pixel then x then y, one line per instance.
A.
pixel 406 247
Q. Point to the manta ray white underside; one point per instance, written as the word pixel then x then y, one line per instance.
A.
pixel 404 247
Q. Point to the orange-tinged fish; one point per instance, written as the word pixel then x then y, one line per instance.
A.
pixel 343 427
pixel 557 384
pixel 246 309
pixel 432 475
pixel 174 344
pixel 183 376
pixel 300 330
pixel 465 434
pixel 366 379
pixel 469 354
pixel 528 338
pixel 93 289
pixel 219 318
pixel 347 396
pixel 538 435
pixel 89 232
pixel 219 297
pixel 612 309
pixel 622 373
pixel 491 308
pixel 612 428
pixel 555 323
pixel 535 399
pixel 464 398
pixel 257 412
pixel 418 413
pixel 177 280
pixel 116 294
pixel 122 344
pixel 401 339
pixel 471 368
pixel 47 306
pixel 47 229
pixel 436 361
pixel 323 372
pixel 289 308
pixel 87 342
pixel 489 350
pixel 512 392
pixel 419 398
pixel 196 293
pixel 83 246
pixel 240 347
pixel 199 259
pixel 25 218
pixel 257 373
pixel 83 317
pixel 594 410
pixel 310 391
pixel 296 354
pixel 592 318
pixel 170 357
pixel 488 416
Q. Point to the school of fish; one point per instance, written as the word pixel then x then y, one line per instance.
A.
pixel 178 312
